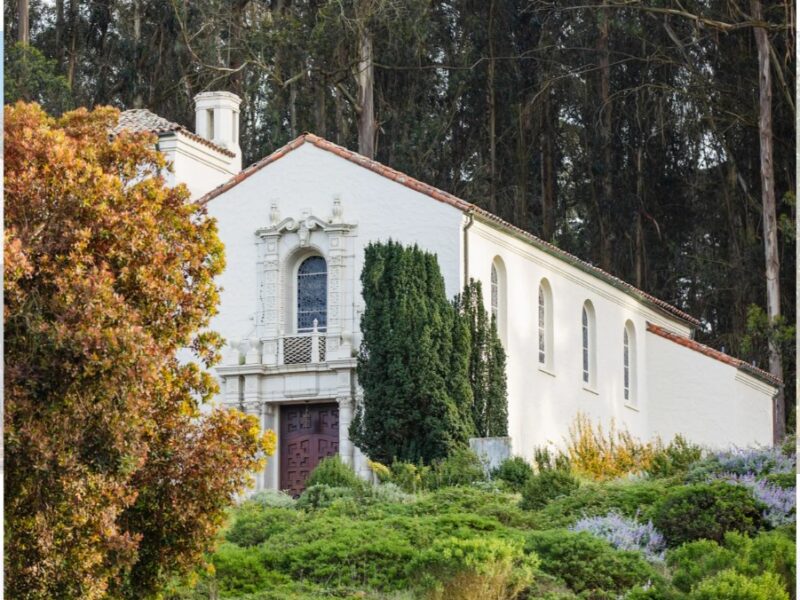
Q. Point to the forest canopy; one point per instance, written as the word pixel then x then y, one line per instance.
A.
pixel 626 134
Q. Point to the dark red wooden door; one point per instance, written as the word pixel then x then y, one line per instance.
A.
pixel 309 433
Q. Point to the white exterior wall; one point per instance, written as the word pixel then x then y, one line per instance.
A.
pixel 309 179
pixel 346 206
pixel 705 400
pixel 199 166
pixel 543 402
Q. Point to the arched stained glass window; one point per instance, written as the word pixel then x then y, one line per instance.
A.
pixel 312 294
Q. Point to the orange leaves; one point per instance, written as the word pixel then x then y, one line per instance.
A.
pixel 115 478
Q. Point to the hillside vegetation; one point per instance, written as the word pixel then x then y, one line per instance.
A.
pixel 673 522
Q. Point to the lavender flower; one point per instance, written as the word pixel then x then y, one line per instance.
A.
pixel 780 503
pixel 625 534
pixel 758 461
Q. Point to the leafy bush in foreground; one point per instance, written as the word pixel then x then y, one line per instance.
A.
pixel 675 459
pixel 769 552
pixel 779 503
pixel 708 511
pixel 475 569
pixel 321 496
pixel 587 563
pixel 515 472
pixel 546 486
pixel 254 524
pixel 625 534
pixel 629 498
pixel 730 585
pixel 460 467
pixel 600 455
pixel 333 472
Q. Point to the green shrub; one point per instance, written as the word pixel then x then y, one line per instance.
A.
pixel 461 467
pixel 254 524
pixel 546 459
pixel 500 506
pixel 321 496
pixel 675 459
pixel 333 472
pixel 515 472
pixel 783 480
pixel 241 571
pixel 389 493
pixel 730 585
pixel 345 552
pixel 693 512
pixel 546 486
pixel 588 564
pixel 630 498
pixel 474 569
pixel 272 499
pixel 410 477
pixel 769 552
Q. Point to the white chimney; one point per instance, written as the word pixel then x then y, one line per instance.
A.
pixel 217 119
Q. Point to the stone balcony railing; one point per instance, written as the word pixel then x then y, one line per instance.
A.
pixel 295 349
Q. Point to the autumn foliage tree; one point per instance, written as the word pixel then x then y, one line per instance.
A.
pixel 115 480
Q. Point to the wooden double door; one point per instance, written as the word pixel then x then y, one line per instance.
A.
pixel 309 433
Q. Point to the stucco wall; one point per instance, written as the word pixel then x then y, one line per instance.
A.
pixel 308 179
pixel 200 167
pixel 707 401
pixel 677 390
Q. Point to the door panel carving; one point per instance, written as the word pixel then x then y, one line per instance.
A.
pixel 309 433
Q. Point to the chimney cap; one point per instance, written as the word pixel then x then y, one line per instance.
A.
pixel 220 96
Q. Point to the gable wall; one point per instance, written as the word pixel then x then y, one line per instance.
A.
pixel 308 180
pixel 706 400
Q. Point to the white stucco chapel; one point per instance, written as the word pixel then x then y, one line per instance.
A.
pixel 577 339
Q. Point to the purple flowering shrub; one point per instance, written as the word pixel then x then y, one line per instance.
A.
pixel 625 534
pixel 780 503
pixel 742 461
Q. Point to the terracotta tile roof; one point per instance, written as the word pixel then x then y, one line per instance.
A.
pixel 141 119
pixel 463 205
pixel 715 354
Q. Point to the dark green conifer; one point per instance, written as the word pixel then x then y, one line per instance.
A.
pixel 412 364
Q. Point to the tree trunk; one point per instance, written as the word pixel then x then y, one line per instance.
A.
pixel 365 80
pixel 320 116
pixel 548 172
pixel 492 116
pixel 768 209
pixel 23 29
pixel 638 243
pixel 59 33
pixel 138 99
pixel 606 195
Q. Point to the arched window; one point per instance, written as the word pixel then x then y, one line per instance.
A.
pixel 498 297
pixel 545 320
pixel 312 294
pixel 629 363
pixel 494 291
pixel 589 353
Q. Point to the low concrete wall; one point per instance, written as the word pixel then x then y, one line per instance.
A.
pixel 491 450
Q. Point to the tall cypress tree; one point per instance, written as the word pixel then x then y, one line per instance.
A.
pixel 487 364
pixel 412 363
